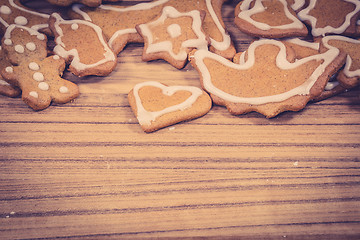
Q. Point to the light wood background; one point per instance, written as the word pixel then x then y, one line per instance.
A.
pixel 85 170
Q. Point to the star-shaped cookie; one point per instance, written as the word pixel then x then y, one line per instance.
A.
pixel 331 16
pixel 269 81
pixel 172 36
pixel 118 22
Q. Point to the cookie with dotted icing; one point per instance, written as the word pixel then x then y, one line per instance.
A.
pixel 83 45
pixel 269 80
pixel 38 76
pixel 5 88
pixel 268 19
pixel 119 22
pixel 331 17
pixel 173 35
pixel 157 106
pixel 13 12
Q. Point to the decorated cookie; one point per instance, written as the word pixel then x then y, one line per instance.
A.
pixel 83 45
pixel 173 35
pixel 269 81
pixel 331 16
pixel 38 76
pixel 13 12
pixel 268 18
pixel 296 5
pixel 306 49
pixel 348 77
pixel 118 22
pixel 157 106
pixel 5 88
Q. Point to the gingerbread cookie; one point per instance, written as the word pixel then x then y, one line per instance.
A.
pixel 37 75
pixel 83 46
pixel 157 106
pixel 13 12
pixel 5 88
pixel 305 49
pixel 172 36
pixel 331 16
pixel 296 5
pixel 348 77
pixel 269 19
pixel 267 82
pixel 118 22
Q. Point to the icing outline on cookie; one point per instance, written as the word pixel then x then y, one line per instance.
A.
pixel 219 45
pixel 246 13
pixel 170 12
pixel 346 70
pixel 60 50
pixel 281 61
pixel 304 15
pixel 146 117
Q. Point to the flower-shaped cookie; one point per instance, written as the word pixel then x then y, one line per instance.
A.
pixel 172 36
pixel 269 81
pixel 38 76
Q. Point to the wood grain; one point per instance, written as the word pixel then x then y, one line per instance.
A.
pixel 85 170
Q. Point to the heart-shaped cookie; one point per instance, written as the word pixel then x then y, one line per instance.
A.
pixel 157 106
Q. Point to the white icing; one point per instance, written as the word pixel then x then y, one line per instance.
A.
pixel 34 94
pixel 31 46
pixel 56 57
pixel 281 62
pixel 2 82
pixel 219 45
pixel 246 13
pixel 43 86
pixel 74 26
pixel 41 37
pixel 146 117
pixel 34 66
pixel 60 48
pixel 8 41
pixel 31 31
pixel 21 20
pixel 5 10
pixel 174 30
pixel 297 4
pixel 38 76
pixel 346 70
pixel 19 49
pixel 63 89
pixel 304 15
pixel 170 12
pixel 331 85
pixel 9 69
pixel 298 41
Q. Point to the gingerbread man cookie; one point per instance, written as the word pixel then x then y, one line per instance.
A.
pixel 331 16
pixel 172 36
pixel 269 19
pixel 5 88
pixel 83 45
pixel 267 82
pixel 157 106
pixel 13 12
pixel 118 22
pixel 35 74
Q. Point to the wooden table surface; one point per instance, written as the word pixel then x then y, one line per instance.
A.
pixel 86 170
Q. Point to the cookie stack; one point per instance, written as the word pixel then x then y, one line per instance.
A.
pixel 302 51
